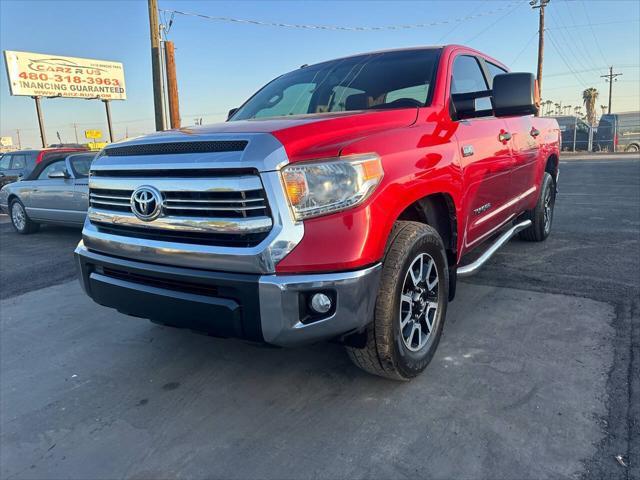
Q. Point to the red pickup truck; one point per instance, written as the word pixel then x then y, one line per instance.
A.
pixel 340 202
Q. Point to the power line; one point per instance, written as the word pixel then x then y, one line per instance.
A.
pixel 593 33
pixel 524 48
pixel 594 24
pixel 488 27
pixel 340 27
pixel 564 60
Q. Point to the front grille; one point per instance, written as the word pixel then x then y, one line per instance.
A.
pixel 203 208
pixel 244 204
pixel 177 148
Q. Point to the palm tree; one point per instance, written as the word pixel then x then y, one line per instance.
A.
pixel 589 97
pixel 604 108
pixel 548 103
pixel 558 106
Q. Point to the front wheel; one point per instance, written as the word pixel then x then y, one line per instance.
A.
pixel 411 305
pixel 20 220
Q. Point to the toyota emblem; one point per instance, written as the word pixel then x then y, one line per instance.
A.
pixel 146 203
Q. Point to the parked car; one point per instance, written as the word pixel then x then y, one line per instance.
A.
pixel 619 132
pixel 18 164
pixel 576 133
pixel 339 202
pixel 56 191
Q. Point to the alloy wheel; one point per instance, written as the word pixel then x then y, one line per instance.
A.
pixel 18 216
pixel 419 302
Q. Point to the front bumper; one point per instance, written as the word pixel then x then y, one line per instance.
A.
pixel 267 308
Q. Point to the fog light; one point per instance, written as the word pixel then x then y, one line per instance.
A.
pixel 320 303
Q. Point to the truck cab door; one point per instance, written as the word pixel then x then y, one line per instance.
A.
pixel 524 144
pixel 485 156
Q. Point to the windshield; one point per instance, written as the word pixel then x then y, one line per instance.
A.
pixel 400 79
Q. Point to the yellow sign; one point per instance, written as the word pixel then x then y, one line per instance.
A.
pixel 97 145
pixel 93 133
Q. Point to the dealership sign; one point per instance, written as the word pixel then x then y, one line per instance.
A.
pixel 39 75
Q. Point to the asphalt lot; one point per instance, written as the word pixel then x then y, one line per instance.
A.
pixel 536 376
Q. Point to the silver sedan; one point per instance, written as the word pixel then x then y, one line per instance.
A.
pixel 54 192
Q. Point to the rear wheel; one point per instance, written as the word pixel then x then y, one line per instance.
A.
pixel 632 148
pixel 20 220
pixel 542 215
pixel 411 305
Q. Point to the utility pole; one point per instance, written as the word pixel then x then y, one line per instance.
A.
pixel 610 78
pixel 75 129
pixel 540 5
pixel 19 144
pixel 156 64
pixel 172 84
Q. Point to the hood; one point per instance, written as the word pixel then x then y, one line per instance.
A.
pixel 303 136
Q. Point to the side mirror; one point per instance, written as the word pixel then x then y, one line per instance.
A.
pixel 470 105
pixel 59 174
pixel 514 94
pixel 231 112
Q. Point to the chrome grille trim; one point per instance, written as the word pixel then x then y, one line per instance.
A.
pixel 203 184
pixel 183 224
pixel 264 154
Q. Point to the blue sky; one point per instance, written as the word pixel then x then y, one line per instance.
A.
pixel 220 64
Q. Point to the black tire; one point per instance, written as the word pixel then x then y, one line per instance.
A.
pixel 632 148
pixel 541 223
pixel 386 352
pixel 20 220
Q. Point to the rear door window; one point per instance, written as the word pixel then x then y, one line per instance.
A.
pixel 18 161
pixel 493 71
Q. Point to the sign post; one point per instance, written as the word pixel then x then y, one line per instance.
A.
pixel 107 107
pixel 43 135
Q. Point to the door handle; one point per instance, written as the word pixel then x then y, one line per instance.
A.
pixel 534 132
pixel 504 136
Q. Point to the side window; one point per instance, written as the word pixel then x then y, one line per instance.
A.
pixel 467 76
pixel 494 70
pixel 5 161
pixel 18 161
pixel 54 167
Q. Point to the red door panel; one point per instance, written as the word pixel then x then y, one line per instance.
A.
pixel 486 176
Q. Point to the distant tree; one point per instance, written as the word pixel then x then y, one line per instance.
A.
pixel 604 108
pixel 549 104
pixel 589 97
pixel 558 107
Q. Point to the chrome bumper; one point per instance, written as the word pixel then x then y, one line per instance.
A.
pixel 268 308
pixel 280 296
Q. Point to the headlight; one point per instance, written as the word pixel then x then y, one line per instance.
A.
pixel 320 188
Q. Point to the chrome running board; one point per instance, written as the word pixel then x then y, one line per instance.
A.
pixel 473 267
